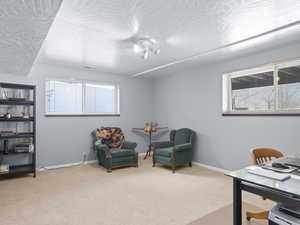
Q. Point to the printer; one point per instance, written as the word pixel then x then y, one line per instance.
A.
pixel 284 215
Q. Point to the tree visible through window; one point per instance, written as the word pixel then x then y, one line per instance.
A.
pixel 271 89
pixel 289 88
pixel 254 92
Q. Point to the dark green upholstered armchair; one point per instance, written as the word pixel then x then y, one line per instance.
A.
pixel 177 151
pixel 115 158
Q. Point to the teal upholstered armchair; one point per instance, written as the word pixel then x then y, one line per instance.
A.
pixel 114 158
pixel 177 151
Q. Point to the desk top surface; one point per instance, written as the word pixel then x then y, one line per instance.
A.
pixel 291 186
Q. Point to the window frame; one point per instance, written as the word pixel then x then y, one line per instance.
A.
pixel 227 90
pixel 83 105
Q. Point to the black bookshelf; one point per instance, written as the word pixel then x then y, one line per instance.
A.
pixel 16 119
pixel 12 102
pixel 14 168
pixel 18 135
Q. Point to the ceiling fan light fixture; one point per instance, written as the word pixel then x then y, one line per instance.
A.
pixel 157 51
pixel 137 48
pixel 146 54
pixel 146 46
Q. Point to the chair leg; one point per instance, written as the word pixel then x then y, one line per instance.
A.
pixel 153 156
pixel 137 160
pixel 190 164
pixel 259 216
pixel 174 160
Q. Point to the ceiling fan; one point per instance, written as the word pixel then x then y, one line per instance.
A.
pixel 144 46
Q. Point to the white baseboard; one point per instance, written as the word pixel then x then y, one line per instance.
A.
pixel 67 165
pixel 74 164
pixel 220 170
pixel 140 154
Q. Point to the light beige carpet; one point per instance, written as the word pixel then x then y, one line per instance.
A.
pixel 222 216
pixel 87 195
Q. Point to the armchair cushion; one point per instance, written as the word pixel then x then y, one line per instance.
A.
pixel 167 152
pixel 129 145
pixel 183 147
pixel 182 136
pixel 122 152
pixel 162 144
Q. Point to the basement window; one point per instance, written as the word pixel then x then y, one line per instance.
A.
pixel 81 98
pixel 273 89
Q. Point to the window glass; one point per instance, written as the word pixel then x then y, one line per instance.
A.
pixel 63 97
pixel 289 88
pixel 78 97
pixel 99 98
pixel 253 92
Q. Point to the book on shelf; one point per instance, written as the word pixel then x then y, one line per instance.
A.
pixel 4 168
pixel 16 99
pixel 24 147
pixel 7 133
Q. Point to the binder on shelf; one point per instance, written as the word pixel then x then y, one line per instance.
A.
pixel 24 147
pixel 4 168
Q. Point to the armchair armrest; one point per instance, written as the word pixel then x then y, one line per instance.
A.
pixel 101 147
pixel 162 144
pixel 129 145
pixel 183 147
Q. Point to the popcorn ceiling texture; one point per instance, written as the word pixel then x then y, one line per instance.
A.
pixel 99 33
pixel 23 28
pixel 94 32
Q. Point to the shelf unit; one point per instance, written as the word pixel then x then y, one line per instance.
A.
pixel 16 119
pixel 18 135
pixel 10 102
pixel 15 169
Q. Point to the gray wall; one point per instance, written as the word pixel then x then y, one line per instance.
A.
pixel 192 97
pixel 62 140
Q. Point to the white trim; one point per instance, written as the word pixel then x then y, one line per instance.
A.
pixel 216 169
pixel 251 71
pixel 66 165
pixel 82 114
pixel 217 49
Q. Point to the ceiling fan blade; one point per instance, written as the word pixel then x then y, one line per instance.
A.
pixel 134 33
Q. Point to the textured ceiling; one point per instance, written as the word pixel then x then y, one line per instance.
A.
pixel 99 33
pixel 24 25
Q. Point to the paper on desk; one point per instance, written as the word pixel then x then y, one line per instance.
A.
pixel 267 173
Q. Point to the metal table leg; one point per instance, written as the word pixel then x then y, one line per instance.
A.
pixel 237 202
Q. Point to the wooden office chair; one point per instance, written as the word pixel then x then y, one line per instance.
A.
pixel 258 157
